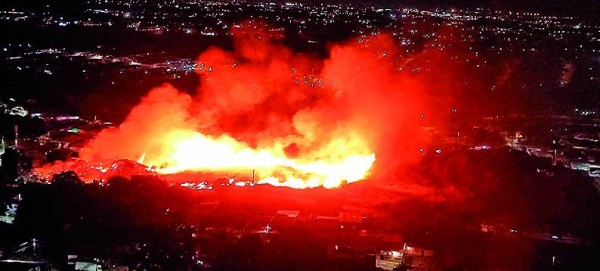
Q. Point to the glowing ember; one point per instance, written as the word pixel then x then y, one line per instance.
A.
pixel 192 151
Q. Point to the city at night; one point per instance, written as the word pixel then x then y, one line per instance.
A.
pixel 142 135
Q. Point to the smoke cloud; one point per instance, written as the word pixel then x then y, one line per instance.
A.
pixel 263 95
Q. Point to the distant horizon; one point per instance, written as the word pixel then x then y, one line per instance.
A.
pixel 558 7
pixel 574 7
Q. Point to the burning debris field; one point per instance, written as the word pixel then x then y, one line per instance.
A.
pixel 270 114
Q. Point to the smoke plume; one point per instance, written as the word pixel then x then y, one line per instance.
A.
pixel 263 96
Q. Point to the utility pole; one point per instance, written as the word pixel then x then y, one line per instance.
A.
pixel 16 136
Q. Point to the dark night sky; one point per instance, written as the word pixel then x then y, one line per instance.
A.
pixel 567 7
pixel 561 6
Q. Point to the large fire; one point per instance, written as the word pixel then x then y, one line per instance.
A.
pixel 284 118
pixel 187 150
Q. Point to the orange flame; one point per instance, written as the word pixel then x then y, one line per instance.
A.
pixel 342 160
